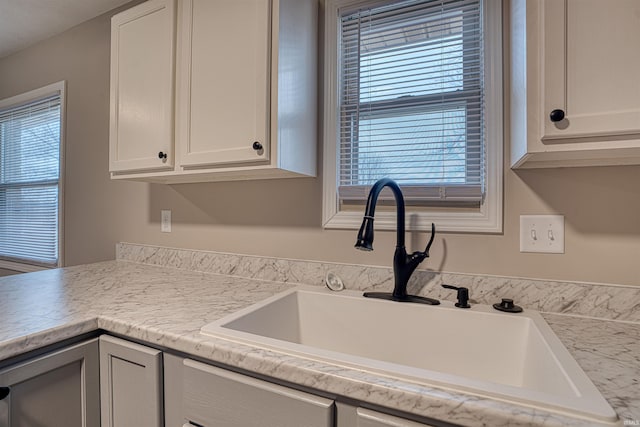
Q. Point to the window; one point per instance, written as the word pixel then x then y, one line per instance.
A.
pixel 414 93
pixel 30 151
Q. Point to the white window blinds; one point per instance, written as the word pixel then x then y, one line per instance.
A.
pixel 411 100
pixel 29 178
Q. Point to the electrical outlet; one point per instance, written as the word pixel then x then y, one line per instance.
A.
pixel 165 221
pixel 542 233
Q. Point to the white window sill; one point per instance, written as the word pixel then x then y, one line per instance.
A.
pixel 463 222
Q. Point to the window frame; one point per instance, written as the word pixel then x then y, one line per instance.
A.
pixel 58 88
pixel 485 219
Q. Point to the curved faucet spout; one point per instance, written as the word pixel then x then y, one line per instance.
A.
pixel 403 264
pixel 365 235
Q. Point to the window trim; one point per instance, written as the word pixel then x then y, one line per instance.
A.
pixel 58 88
pixel 486 219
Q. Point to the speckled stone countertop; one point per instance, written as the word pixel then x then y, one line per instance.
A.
pixel 167 307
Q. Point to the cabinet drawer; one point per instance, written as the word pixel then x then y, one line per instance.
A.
pixel 348 415
pixel 213 397
pixel 368 418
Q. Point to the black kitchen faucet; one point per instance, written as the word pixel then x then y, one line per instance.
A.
pixel 403 264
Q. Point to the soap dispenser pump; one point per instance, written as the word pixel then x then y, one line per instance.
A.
pixel 463 296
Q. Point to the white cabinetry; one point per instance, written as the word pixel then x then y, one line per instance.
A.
pixel 117 383
pixel 142 91
pixel 173 390
pixel 245 93
pixel 130 384
pixel 213 396
pixel 353 416
pixel 58 389
pixel 575 91
pixel 369 418
pixel 198 394
pixel 224 92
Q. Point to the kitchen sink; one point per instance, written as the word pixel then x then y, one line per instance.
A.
pixel 514 357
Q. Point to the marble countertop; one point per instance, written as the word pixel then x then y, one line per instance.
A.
pixel 167 307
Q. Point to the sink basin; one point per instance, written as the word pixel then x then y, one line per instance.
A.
pixel 514 357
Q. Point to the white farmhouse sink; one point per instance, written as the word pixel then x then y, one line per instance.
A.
pixel 516 357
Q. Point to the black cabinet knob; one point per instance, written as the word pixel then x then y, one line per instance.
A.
pixel 162 155
pixel 556 115
pixel 257 146
pixel 4 392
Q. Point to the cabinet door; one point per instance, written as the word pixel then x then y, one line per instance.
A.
pixel 130 384
pixel 223 95
pixel 58 389
pixel 216 397
pixel 142 87
pixel 591 68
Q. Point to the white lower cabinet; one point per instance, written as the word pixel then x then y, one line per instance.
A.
pixel 111 382
pixel 198 394
pixel 216 397
pixel 56 389
pixel 130 384
pixel 369 418
pixel 352 416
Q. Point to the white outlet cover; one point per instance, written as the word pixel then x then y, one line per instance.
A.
pixel 542 233
pixel 165 221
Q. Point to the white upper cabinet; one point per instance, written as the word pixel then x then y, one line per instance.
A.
pixel 142 92
pixel 245 93
pixel 224 72
pixel 575 91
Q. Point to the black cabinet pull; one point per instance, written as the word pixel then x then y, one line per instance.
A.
pixel 4 392
pixel 162 155
pixel 556 115
pixel 257 146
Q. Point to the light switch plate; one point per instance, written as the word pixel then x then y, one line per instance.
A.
pixel 542 233
pixel 165 221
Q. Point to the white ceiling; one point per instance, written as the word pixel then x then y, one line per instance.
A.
pixel 25 22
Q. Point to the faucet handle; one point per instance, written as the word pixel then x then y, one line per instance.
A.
pixel 420 256
pixel 463 296
pixel 433 234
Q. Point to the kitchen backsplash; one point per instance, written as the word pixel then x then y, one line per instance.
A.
pixel 606 301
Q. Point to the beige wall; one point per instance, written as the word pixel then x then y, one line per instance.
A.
pixel 283 217
pixel 5 272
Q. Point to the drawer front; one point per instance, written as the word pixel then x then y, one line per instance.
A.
pixel 216 397
pixel 368 418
